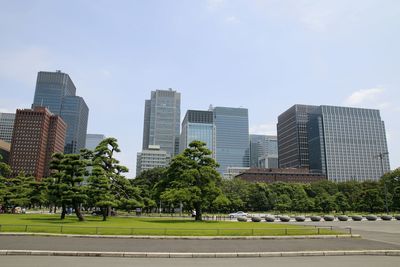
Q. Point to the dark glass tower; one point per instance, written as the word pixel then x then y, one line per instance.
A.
pixel 293 137
pixel 56 91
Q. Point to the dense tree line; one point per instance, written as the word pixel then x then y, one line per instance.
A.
pixel 94 180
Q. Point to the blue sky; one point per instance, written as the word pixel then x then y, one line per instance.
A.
pixel 262 55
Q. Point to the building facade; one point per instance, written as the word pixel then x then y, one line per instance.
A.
pixel 347 143
pixel 263 151
pixel 75 113
pixel 293 137
pixel 6 126
pixel 287 175
pixel 37 135
pixel 93 140
pixel 150 158
pixel 57 92
pixel 198 125
pixel 162 121
pixel 232 137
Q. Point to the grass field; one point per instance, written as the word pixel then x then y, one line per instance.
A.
pixel 40 223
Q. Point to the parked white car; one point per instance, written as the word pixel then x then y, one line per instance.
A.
pixel 238 214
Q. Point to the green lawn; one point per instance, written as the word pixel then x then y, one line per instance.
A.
pixel 40 223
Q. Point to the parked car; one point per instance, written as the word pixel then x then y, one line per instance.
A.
pixel 237 214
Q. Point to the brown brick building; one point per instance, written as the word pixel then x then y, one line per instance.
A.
pixel 288 175
pixel 37 135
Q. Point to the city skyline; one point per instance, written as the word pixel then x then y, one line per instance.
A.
pixel 264 56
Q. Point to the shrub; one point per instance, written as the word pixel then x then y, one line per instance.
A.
pixel 269 218
pixel 242 219
pixel 356 218
pixel 386 217
pixel 255 219
pixel 315 218
pixel 329 218
pixel 300 218
pixel 284 218
pixel 371 217
pixel 343 218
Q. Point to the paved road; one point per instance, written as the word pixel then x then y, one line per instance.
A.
pixel 155 245
pixel 376 235
pixel 384 231
pixel 354 261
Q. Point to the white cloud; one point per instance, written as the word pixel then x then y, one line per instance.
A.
pixel 367 97
pixel 22 65
pixel 267 129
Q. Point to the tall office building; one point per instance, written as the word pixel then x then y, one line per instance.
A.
pixel 75 113
pixel 150 158
pixel 93 140
pixel 293 137
pixel 57 92
pixel 232 137
pixel 198 125
pixel 263 151
pixel 162 121
pixel 6 126
pixel 37 135
pixel 347 143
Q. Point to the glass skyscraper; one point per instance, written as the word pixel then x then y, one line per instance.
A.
pixel 56 91
pixel 162 121
pixel 6 126
pixel 198 125
pixel 347 143
pixel 263 148
pixel 293 137
pixel 232 137
pixel 75 113
pixel 93 140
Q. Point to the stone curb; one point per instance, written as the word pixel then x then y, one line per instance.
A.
pixel 188 237
pixel 199 255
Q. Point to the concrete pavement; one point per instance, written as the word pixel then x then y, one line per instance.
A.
pixel 181 245
pixel 327 261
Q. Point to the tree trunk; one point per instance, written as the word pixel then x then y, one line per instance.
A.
pixel 78 212
pixel 63 211
pixel 105 213
pixel 197 206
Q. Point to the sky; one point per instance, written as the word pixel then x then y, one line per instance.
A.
pixel 264 55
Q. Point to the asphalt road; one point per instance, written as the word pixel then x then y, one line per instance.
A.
pixel 167 245
pixel 354 261
pixel 376 235
pixel 383 231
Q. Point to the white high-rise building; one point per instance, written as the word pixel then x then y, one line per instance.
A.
pixel 150 158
